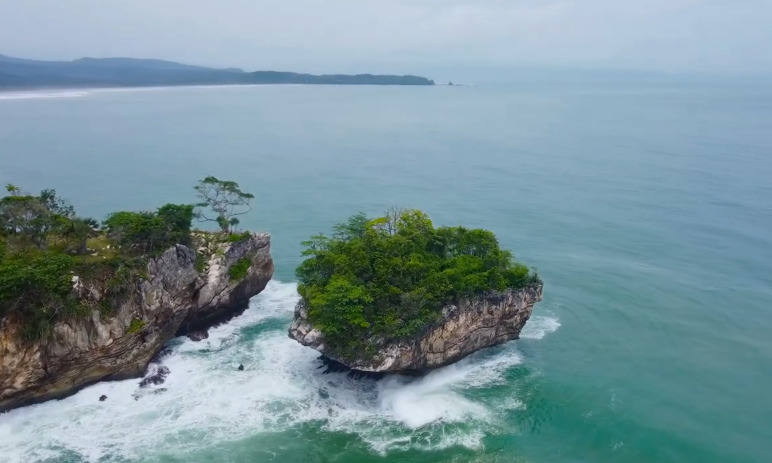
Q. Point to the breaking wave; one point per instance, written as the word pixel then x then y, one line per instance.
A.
pixel 206 400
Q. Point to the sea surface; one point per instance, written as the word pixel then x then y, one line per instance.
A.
pixel 646 208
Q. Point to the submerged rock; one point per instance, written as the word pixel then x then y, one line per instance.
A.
pixel 156 377
pixel 241 367
pixel 198 335
pixel 102 398
pixel 143 392
pixel 173 299
pixel 471 325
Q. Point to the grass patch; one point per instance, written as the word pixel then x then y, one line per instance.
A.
pixel 99 249
pixel 135 326
pixel 238 237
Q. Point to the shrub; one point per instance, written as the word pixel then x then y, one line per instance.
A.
pixel 239 270
pixel 200 262
pixel 177 218
pixel 389 277
pixel 143 233
pixel 37 286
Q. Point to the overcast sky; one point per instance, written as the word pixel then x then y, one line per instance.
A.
pixel 732 36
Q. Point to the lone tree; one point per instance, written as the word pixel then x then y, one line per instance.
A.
pixel 225 199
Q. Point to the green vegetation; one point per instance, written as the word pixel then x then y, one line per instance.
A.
pixel 389 277
pixel 47 252
pixel 37 286
pixel 238 237
pixel 149 233
pixel 238 271
pixel 135 326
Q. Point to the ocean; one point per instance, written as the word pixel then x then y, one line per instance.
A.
pixel 645 207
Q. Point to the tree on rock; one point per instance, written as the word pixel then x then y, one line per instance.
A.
pixel 225 199
pixel 33 218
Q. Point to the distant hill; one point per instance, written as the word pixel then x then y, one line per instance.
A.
pixel 18 73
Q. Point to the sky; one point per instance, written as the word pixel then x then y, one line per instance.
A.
pixel 697 36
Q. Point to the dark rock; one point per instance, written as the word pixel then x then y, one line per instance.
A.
pixel 333 366
pixel 158 376
pixel 241 367
pixel 102 398
pixel 197 336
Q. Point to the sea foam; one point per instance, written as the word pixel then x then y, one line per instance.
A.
pixel 206 400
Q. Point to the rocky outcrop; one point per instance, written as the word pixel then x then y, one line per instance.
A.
pixel 173 298
pixel 465 328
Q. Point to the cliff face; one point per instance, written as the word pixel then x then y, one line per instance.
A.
pixel 174 299
pixel 465 328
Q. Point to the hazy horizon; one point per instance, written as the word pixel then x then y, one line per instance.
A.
pixel 417 37
pixel 488 75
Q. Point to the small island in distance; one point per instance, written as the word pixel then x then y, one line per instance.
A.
pixel 23 74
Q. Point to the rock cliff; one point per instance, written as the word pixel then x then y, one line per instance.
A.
pixel 173 298
pixel 465 328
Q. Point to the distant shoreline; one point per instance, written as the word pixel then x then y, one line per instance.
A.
pixel 215 85
pixel 16 89
pixel 25 74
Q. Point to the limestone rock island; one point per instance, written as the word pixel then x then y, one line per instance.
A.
pixel 396 294
pixel 80 303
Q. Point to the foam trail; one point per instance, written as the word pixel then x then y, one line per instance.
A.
pixel 43 94
pixel 78 93
pixel 206 401
pixel 417 402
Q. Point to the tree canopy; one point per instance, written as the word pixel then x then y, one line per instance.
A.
pixel 389 277
pixel 142 233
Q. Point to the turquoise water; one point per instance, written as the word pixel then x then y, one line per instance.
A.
pixel 646 209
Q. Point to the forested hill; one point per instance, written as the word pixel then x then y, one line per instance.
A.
pixel 16 73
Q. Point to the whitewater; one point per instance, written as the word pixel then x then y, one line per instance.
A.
pixel 207 399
